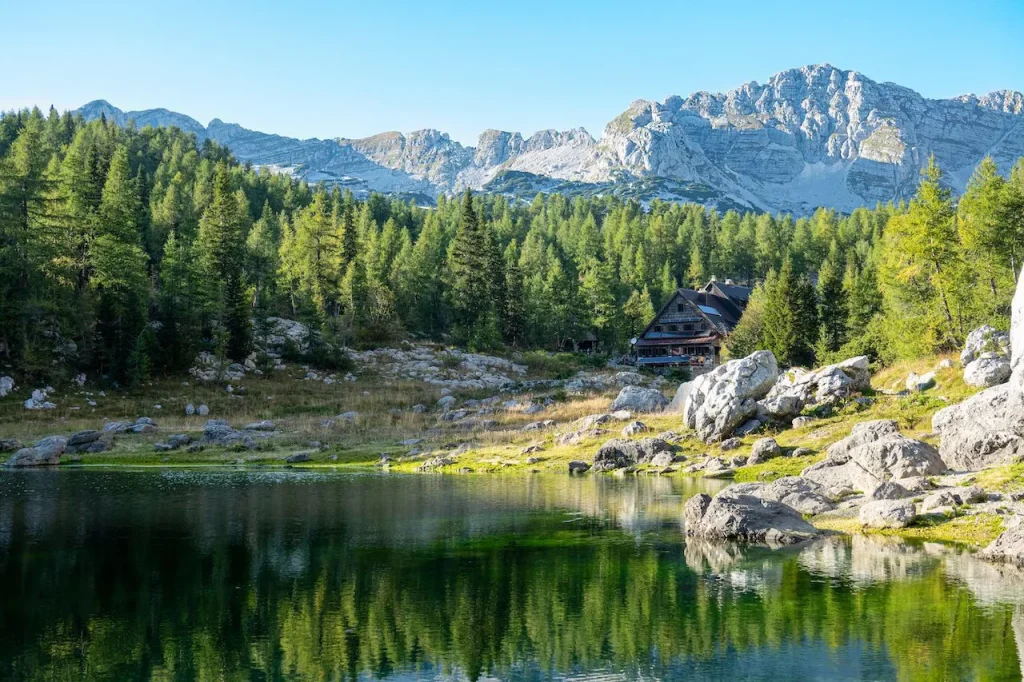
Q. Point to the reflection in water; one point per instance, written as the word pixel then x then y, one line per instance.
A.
pixel 182 575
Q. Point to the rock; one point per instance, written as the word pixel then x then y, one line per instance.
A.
pixel 801 452
pixel 987 370
pixel 179 440
pixel 6 386
pixel 349 416
pixel 9 444
pixel 621 415
pixel 763 450
pixel 437 462
pixel 532 448
pixel 578 467
pixel 298 457
pixel 83 438
pixel 38 401
pixel 730 444
pixel 915 484
pixel 409 442
pixel 748 427
pixel 920 382
pixel 577 437
pixel 662 459
pixel 117 427
pixel 724 398
pixel 265 425
pixel 1007 548
pixel 873 453
pixel 45 452
pixel 945 364
pixel 888 514
pixel 734 515
pixel 163 447
pixel 418 409
pixel 637 399
pixel 984 340
pixel 887 490
pixel 446 402
pixel 203 411
pixel 801 422
pixel 218 432
pixel 190 410
pixel 627 379
pixel 633 428
pixel 538 426
pixel 679 400
pixel 618 453
pixel 799 388
pixel 802 494
pixel 983 431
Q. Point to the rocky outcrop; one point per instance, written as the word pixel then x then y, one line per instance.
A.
pixel 985 339
pixel 45 452
pixel 874 452
pixel 718 402
pixel 1008 547
pixel 619 452
pixel 733 514
pixel 637 399
pixel 988 370
pixel 800 388
pixel 802 494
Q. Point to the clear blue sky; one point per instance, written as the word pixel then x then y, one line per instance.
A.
pixel 330 69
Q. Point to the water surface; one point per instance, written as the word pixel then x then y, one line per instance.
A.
pixel 241 575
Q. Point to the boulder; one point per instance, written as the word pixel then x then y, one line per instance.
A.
pixel 265 425
pixel 888 514
pixel 633 428
pixel 38 401
pixel 298 457
pixel 578 467
pixel 662 459
pixel 627 379
pixel 637 399
pixel 872 454
pixel 6 386
pixel 45 452
pixel 983 340
pixel 730 444
pixel 802 494
pixel 800 388
pixel 748 427
pixel 887 490
pixel 719 401
pixel 9 444
pixel 763 450
pixel 801 422
pixel 203 411
pixel 920 382
pixel 987 370
pixel 983 431
pixel 1009 546
pixel 619 453
pixel 735 515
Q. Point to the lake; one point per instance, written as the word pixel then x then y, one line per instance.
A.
pixel 270 575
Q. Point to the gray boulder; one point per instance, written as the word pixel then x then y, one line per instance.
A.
pixel 719 401
pixel 9 444
pixel 917 383
pixel 80 441
pixel 873 453
pixel 265 425
pixel 887 490
pixel 983 340
pixel 735 515
pixel 633 428
pixel 45 452
pixel 578 467
pixel 983 431
pixel 763 450
pixel 802 494
pixel 1008 547
pixel 987 370
pixel 298 457
pixel 800 388
pixel 888 514
pixel 619 453
pixel 637 399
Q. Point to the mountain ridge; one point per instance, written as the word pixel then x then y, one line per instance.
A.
pixel 807 137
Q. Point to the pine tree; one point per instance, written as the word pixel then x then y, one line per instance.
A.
pixel 470 285
pixel 832 309
pixel 638 312
pixel 780 325
pixel 514 317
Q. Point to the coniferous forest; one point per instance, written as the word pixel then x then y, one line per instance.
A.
pixel 125 252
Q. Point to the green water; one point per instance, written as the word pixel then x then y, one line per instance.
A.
pixel 220 575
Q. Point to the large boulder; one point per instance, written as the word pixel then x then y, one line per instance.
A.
pixel 763 450
pixel 987 370
pixel 619 452
pixel 45 452
pixel 888 514
pixel 719 401
pixel 800 388
pixel 637 399
pixel 985 430
pixel 985 339
pixel 735 515
pixel 1008 547
pixel 873 453
pixel 802 494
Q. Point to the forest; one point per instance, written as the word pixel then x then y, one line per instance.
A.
pixel 125 252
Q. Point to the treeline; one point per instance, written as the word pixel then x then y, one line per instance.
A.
pixel 125 252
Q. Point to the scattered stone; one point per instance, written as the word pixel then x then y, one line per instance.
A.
pixel 801 422
pixel 577 437
pixel 662 459
pixel 418 409
pixel 763 450
pixel 203 411
pixel 717 468
pixel 163 447
pixel 802 494
pixel 888 514
pixel 731 444
pixel 349 416
pixel 190 410
pixel 298 457
pixel 917 383
pixel 748 427
pixel 265 425
pixel 888 490
pixel 9 444
pixel 578 467
pixel 985 339
pixel 38 401
pixel 436 463
pixel 627 379
pixel 6 386
pixel 633 428
pixel 532 448
pixel 179 440
pixel 446 402
pixel 945 364
pixel 117 427
pixel 802 452
pixel 81 440
pixel 637 399
pixel 733 515
pixel 538 426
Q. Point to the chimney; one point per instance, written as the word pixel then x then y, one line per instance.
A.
pixel 730 282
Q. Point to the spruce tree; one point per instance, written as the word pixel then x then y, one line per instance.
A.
pixel 832 309
pixel 469 273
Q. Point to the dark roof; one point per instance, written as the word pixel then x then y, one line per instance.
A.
pixel 728 311
pixel 676 340
pixel 734 291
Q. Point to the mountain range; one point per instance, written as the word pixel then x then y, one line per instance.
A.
pixel 808 137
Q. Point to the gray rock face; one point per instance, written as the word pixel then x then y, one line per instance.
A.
pixel 637 399
pixel 1007 548
pixel 633 428
pixel 988 369
pixel 920 382
pixel 763 450
pixel 45 452
pixel 724 398
pixel 735 515
pixel 578 467
pixel 984 430
pixel 889 490
pixel 807 137
pixel 888 514
pixel 802 494
pixel 875 452
pixel 618 453
pixel 799 388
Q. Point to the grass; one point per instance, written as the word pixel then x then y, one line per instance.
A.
pixel 974 529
